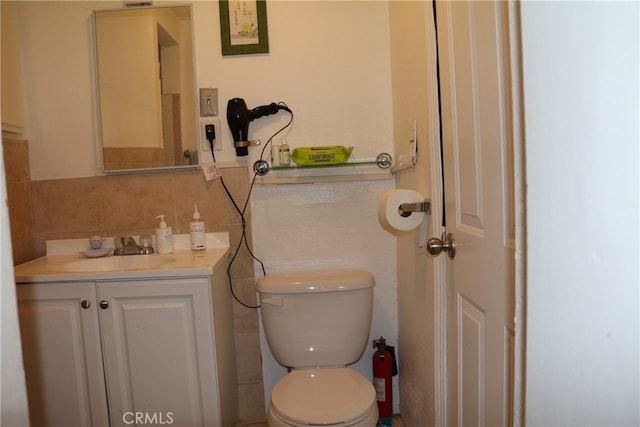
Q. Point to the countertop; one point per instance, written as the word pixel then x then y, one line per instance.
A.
pixel 65 262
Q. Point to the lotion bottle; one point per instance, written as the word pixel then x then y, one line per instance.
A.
pixel 285 154
pixel 275 154
pixel 164 238
pixel 196 232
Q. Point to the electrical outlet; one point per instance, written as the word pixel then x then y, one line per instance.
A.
pixel 208 102
pixel 204 142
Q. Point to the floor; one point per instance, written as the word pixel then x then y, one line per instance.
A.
pixel 397 422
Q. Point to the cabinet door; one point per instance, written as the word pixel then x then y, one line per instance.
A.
pixel 158 351
pixel 62 358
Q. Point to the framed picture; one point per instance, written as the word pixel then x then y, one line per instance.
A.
pixel 243 26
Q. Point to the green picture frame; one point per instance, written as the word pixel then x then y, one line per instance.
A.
pixel 243 27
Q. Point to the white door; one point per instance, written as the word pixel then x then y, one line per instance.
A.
pixel 62 358
pixel 478 166
pixel 157 338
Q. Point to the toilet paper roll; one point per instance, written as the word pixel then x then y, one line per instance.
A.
pixel 389 213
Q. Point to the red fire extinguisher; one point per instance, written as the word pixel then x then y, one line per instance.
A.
pixel 384 367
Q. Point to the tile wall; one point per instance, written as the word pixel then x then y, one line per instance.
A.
pixel 129 204
pixel 18 178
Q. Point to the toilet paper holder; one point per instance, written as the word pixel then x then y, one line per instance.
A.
pixel 405 209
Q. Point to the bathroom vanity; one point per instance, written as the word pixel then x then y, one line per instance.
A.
pixel 122 340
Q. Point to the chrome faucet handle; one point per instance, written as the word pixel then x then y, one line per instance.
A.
pixel 126 245
pixel 146 244
pixel 118 249
pixel 128 241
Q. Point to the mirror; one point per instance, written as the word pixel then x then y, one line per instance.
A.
pixel 146 88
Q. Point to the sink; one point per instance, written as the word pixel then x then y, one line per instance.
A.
pixel 115 263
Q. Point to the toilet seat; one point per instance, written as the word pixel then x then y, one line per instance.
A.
pixel 336 396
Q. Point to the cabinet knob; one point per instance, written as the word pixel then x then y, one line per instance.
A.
pixel 85 304
pixel 104 304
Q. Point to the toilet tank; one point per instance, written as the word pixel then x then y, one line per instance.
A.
pixel 317 319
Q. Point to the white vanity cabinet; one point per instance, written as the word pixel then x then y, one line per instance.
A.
pixel 159 353
pixel 62 354
pixel 129 350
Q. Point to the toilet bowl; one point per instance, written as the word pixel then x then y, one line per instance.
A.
pixel 321 397
pixel 316 324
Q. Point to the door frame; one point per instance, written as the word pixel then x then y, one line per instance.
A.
pixel 440 281
pixel 520 210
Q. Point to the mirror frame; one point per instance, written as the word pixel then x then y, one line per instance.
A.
pixel 195 122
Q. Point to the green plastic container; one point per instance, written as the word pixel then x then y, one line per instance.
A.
pixel 327 155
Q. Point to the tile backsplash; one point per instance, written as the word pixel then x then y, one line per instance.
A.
pixel 18 179
pixel 128 205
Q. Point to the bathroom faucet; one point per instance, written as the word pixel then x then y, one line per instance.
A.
pixel 126 246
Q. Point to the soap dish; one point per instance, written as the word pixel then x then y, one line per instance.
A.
pixel 96 253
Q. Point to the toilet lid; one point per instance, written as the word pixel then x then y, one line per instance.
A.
pixel 323 396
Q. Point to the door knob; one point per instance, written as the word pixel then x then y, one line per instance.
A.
pixel 104 304
pixel 447 243
pixel 85 304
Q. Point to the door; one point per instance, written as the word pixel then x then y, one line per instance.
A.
pixel 61 351
pixel 158 351
pixel 473 46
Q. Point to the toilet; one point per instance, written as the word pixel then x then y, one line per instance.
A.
pixel 316 324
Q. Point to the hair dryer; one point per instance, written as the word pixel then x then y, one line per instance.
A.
pixel 238 118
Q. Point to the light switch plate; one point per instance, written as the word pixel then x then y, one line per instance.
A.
pixel 208 102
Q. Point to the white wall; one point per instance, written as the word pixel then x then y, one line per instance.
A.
pixel 328 61
pixel 581 111
pixel 414 98
pixel 13 393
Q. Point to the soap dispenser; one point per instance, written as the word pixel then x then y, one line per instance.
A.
pixel 196 231
pixel 164 238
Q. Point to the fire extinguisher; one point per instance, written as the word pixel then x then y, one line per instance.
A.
pixel 384 367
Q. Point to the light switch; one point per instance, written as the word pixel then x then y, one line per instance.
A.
pixel 208 102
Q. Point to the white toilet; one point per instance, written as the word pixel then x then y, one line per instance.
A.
pixel 317 323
